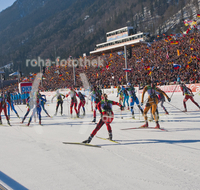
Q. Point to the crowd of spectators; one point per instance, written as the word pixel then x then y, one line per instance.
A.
pixel 153 60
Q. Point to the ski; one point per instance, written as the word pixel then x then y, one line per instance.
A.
pixel 108 139
pixel 84 144
pixel 3 125
pixel 131 118
pixel 162 129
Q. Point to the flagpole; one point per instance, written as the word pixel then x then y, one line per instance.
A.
pixel 125 54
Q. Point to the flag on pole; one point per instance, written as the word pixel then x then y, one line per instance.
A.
pixel 176 66
pixel 127 70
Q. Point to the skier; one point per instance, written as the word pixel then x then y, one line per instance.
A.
pixel 126 96
pixel 81 103
pixel 161 100
pixel 59 101
pixel 96 93
pixel 188 95
pixel 28 110
pixel 43 102
pixel 120 94
pixel 152 102
pixel 73 95
pixel 134 99
pixel 36 108
pixel 107 116
pixel 3 107
pixel 10 103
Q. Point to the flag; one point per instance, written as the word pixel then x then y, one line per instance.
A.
pixel 149 73
pixel 198 15
pixel 178 52
pixel 191 48
pixel 186 54
pixel 169 38
pixel 176 66
pixel 166 40
pixel 127 70
pixel 147 68
pixel 194 56
pixel 167 55
pixel 187 66
pixel 148 45
pixel 174 42
pixel 191 39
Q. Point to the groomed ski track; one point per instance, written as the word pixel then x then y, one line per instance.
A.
pixel 36 158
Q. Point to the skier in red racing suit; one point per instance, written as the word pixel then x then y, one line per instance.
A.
pixel 107 116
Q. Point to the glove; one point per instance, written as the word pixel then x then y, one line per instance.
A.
pixel 141 103
pixel 169 99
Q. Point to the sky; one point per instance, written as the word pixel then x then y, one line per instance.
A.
pixel 5 4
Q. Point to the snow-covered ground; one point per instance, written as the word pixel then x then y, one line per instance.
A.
pixel 145 159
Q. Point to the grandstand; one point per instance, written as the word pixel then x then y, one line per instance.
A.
pixel 117 39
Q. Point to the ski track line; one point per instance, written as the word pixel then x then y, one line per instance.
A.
pixel 170 165
pixel 130 160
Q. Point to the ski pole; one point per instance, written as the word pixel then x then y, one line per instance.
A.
pixel 197 93
pixel 176 108
pixel 173 91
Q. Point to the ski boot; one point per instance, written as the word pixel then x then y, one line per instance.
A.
pixel 94 120
pixel 77 115
pixel 18 115
pixel 157 126
pixel 110 135
pixel 145 125
pixel 166 112
pixel 88 140
pixel 28 123
pixel 22 121
pixel 84 113
pixel 8 122
pixel 40 122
